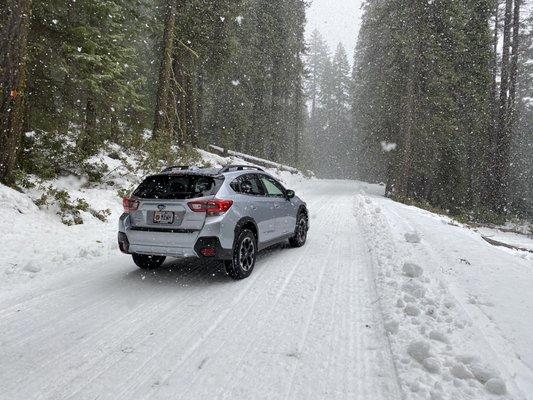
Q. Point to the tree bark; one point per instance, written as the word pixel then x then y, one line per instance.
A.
pixel 199 106
pixel 87 140
pixel 494 87
pixel 192 106
pixel 407 134
pixel 297 124
pixel 181 101
pixel 501 141
pixel 162 127
pixel 13 82
pixel 276 111
pixel 514 60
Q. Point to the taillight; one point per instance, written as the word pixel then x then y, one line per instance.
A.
pixel 130 204
pixel 211 207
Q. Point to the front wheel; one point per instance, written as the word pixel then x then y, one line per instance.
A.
pixel 148 262
pixel 244 255
pixel 300 231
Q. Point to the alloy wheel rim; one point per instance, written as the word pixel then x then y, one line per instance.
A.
pixel 302 230
pixel 246 254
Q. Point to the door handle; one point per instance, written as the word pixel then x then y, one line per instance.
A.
pixel 253 207
pixel 276 205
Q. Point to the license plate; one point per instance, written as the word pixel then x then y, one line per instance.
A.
pixel 163 217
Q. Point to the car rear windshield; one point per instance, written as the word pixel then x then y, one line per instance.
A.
pixel 176 187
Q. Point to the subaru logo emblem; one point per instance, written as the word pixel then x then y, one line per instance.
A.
pixel 161 207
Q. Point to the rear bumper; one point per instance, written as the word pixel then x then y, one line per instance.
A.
pixel 177 252
pixel 165 243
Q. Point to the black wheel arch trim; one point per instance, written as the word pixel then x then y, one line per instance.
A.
pixel 245 221
pixel 214 243
pixel 303 209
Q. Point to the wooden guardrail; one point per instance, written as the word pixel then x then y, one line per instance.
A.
pixel 254 160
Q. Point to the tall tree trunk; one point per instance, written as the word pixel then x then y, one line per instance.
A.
pixel 494 86
pixel 514 60
pixel 191 99
pixel 501 149
pixel 13 82
pixel 162 125
pixel 486 189
pixel 276 110
pixel 181 100
pixel 200 106
pixel 87 140
pixel 297 124
pixel 407 136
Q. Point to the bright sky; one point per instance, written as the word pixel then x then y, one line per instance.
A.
pixel 337 20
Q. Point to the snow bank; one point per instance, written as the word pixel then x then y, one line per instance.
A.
pixel 441 350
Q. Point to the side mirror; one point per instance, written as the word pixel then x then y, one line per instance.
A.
pixel 290 194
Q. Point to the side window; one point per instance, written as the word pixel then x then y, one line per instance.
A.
pixel 247 184
pixel 273 188
pixel 236 185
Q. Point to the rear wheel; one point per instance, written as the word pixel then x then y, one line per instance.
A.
pixel 148 262
pixel 300 231
pixel 244 255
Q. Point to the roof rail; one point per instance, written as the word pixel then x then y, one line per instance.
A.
pixel 229 168
pixel 180 168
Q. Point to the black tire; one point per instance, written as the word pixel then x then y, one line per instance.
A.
pixel 244 256
pixel 300 231
pixel 148 262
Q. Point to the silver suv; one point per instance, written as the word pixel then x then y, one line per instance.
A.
pixel 228 214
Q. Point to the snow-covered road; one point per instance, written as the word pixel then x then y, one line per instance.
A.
pixel 305 325
pixel 340 318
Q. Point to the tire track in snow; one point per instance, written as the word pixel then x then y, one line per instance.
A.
pixel 282 289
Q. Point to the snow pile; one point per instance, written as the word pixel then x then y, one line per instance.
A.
pixel 439 352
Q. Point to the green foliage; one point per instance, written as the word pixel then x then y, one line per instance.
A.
pixel 68 210
pixel 160 155
pixel 102 215
pixel 124 192
pixel 329 86
pixel 254 103
pixel 94 171
pixel 93 65
pixel 46 155
pixel 425 74
pixel 85 53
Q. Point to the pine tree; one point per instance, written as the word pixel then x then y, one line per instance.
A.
pixel 163 110
pixel 13 81
pixel 414 88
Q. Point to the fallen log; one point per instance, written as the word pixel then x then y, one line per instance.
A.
pixel 501 244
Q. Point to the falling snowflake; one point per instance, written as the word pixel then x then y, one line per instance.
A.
pixel 387 147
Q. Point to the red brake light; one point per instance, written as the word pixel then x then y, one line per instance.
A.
pixel 208 252
pixel 130 204
pixel 211 207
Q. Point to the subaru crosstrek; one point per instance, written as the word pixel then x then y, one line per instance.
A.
pixel 228 214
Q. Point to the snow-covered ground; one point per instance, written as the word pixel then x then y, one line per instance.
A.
pixel 385 301
pixel 460 310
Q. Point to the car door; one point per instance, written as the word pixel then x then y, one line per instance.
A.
pixel 255 204
pixel 281 206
